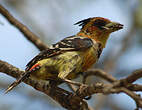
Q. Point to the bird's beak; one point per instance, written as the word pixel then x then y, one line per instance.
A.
pixel 113 26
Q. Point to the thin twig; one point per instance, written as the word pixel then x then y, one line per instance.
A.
pixel 123 85
pixel 99 73
pixel 63 97
pixel 134 76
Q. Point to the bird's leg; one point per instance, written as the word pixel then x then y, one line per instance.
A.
pixel 63 76
pixel 72 82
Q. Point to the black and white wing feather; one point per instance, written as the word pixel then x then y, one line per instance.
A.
pixel 76 43
pixel 73 43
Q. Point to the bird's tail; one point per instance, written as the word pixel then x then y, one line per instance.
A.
pixel 18 81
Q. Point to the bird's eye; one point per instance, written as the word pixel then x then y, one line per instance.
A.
pixel 99 23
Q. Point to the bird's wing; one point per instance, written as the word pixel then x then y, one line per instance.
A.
pixel 42 55
pixel 73 43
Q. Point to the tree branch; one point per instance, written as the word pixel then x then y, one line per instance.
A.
pixel 67 99
pixel 63 97
pixel 117 86
pixel 99 73
pixel 133 77
pixel 27 33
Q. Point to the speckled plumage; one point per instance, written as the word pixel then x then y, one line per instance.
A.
pixel 72 55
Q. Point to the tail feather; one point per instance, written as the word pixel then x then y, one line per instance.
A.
pixel 18 81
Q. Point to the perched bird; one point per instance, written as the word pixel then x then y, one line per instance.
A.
pixel 72 55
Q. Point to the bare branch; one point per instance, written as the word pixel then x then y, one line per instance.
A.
pixel 99 73
pixel 117 86
pixel 62 96
pixel 134 87
pixel 27 33
pixel 65 98
pixel 133 77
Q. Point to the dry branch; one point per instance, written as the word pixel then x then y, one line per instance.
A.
pixel 73 101
pixel 63 97
pixel 27 33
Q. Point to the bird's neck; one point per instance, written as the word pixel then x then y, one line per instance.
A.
pixel 97 36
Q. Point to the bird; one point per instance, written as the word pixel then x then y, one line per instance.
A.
pixel 72 55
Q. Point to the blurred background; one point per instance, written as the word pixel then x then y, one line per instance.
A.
pixel 52 20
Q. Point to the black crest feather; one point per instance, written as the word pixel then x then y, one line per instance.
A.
pixel 83 22
pixel 99 23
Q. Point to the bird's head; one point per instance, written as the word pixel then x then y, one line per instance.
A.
pixel 98 28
